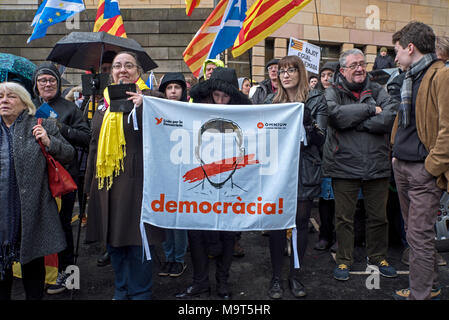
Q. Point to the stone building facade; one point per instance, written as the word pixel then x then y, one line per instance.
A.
pixel 162 27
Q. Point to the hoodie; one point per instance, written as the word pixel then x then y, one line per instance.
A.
pixel 174 77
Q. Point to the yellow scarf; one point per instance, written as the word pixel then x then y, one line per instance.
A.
pixel 111 143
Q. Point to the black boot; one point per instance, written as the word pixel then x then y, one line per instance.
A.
pixel 275 291
pixel 104 259
pixel 192 291
pixel 296 288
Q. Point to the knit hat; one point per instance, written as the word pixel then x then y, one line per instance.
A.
pixel 271 62
pixel 383 49
pixel 50 69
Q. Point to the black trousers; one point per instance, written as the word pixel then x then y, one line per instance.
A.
pixel 66 257
pixel 198 240
pixel 278 240
pixel 326 209
pixel 33 279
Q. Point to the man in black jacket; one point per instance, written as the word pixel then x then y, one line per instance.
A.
pixel 47 89
pixel 356 155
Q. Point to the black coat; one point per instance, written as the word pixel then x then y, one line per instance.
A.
pixel 310 173
pixel 357 144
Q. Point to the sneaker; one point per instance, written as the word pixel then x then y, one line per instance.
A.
pixel 275 291
pixel 166 268
pixel 177 269
pixel 59 286
pixel 403 294
pixel 341 272
pixel 384 268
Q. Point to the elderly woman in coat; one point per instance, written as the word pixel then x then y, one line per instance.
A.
pixel 29 224
pixel 115 186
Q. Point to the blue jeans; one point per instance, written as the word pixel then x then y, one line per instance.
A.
pixel 133 274
pixel 175 245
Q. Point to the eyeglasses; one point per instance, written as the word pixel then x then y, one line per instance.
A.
pixel 128 66
pixel 356 65
pixel 289 71
pixel 271 68
pixel 44 81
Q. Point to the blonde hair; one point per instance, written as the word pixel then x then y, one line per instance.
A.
pixel 302 90
pixel 71 95
pixel 442 46
pixel 22 93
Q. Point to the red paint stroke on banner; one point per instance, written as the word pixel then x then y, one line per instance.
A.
pixel 217 167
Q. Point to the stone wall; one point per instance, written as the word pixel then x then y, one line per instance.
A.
pixel 164 33
pixel 162 27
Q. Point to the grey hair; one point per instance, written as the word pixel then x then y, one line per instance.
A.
pixel 347 53
pixel 22 93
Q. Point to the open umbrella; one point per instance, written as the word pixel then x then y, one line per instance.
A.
pixel 16 68
pixel 84 50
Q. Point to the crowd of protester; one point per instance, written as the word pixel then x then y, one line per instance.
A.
pixel 363 138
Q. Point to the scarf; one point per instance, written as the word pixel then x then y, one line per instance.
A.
pixel 111 143
pixel 413 72
pixel 10 213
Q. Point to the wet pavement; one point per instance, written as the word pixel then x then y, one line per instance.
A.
pixel 250 275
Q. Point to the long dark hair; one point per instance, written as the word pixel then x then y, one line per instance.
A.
pixel 302 90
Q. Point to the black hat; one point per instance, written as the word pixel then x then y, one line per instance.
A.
pixel 329 65
pixel 271 62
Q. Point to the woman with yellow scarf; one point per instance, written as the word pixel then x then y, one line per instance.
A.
pixel 114 180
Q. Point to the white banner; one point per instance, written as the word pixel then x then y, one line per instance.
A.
pixel 220 167
pixel 309 54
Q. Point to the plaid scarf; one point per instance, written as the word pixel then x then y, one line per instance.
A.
pixel 413 73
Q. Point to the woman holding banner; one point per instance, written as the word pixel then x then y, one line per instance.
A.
pixel 293 87
pixel 221 88
pixel 115 182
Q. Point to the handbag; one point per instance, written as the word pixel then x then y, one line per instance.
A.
pixel 60 181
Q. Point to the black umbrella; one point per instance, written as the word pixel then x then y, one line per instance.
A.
pixel 84 50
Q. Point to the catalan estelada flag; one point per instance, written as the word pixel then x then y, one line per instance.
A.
pixel 262 19
pixel 191 5
pixel 109 19
pixel 216 34
pixel 296 45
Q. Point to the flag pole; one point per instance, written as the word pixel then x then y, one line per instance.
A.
pixel 318 26
pixel 251 67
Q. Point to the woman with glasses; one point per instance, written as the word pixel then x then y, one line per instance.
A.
pixel 114 180
pixel 293 87
pixel 47 83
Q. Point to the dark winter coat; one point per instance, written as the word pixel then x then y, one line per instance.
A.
pixel 357 144
pixel 70 119
pixel 41 230
pixel 310 173
pixel 114 214
pixel 383 62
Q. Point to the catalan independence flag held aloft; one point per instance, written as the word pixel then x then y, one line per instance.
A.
pixel 262 19
pixel 191 5
pixel 109 18
pixel 216 34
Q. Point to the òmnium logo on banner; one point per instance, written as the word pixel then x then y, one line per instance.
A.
pixel 275 125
